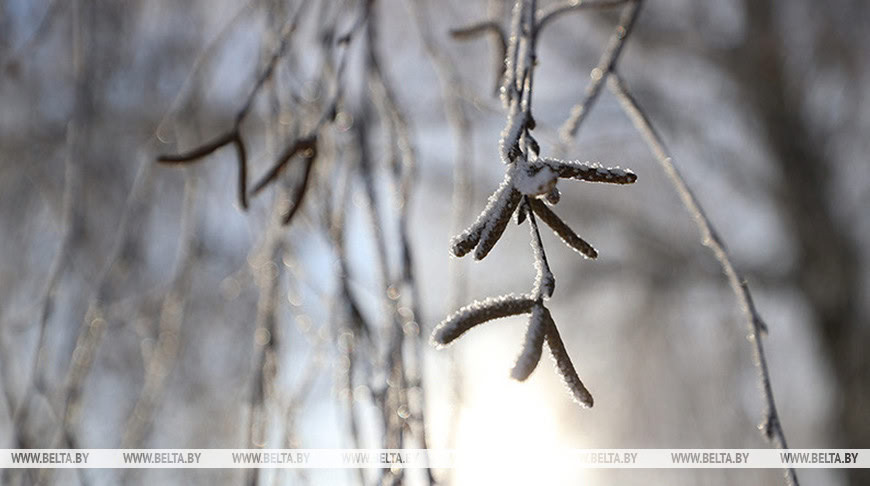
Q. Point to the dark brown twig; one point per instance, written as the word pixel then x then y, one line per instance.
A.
pixel 232 137
pixel 234 134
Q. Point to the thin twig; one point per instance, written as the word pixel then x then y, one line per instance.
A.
pixel 231 137
pixel 545 283
pixel 771 426
pixel 196 67
pixel 551 13
pixel 606 64
pixel 494 28
pixel 234 134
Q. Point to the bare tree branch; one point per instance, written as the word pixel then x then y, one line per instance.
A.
pixel 771 426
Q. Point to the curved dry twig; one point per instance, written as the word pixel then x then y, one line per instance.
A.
pixel 193 155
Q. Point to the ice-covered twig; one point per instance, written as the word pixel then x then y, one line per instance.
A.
pixel 532 179
pixel 510 89
pixel 545 282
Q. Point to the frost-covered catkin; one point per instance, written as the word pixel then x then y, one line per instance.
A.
pixel 589 172
pixel 479 312
pixel 533 346
pixel 468 239
pixel 566 368
pixel 566 234
pixel 497 222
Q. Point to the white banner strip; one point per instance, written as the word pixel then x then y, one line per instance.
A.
pixel 433 458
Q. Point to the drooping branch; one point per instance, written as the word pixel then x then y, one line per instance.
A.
pixel 771 426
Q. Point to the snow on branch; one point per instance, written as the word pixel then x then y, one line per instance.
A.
pixel 492 222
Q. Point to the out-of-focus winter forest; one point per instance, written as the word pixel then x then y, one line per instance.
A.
pixel 142 307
